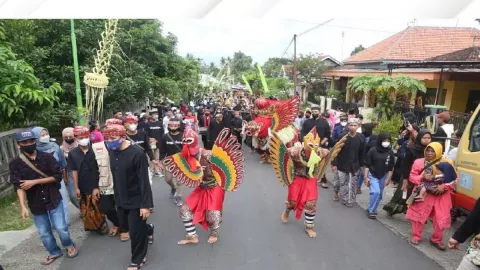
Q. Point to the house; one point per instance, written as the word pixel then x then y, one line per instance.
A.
pixel 446 59
pixel 287 72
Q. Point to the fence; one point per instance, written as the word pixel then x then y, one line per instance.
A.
pixel 8 150
pixel 459 120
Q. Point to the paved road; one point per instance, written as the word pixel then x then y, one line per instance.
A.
pixel 253 237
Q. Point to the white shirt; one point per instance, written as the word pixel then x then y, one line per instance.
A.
pixel 165 123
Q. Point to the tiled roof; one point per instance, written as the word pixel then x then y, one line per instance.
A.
pixel 419 43
pixel 468 54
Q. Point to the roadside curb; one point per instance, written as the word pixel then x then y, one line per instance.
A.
pixel 10 239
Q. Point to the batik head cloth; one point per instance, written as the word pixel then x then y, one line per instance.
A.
pixel 131 119
pixel 113 121
pixel 114 130
pixel 81 131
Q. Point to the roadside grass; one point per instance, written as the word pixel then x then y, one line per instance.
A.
pixel 10 218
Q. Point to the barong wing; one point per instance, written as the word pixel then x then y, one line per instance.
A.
pixel 322 166
pixel 281 161
pixel 227 161
pixel 285 113
pixel 179 168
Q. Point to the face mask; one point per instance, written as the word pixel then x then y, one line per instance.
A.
pixel 114 145
pixel 132 127
pixel 315 115
pixel 44 139
pixel 385 144
pixel 344 124
pixel 69 141
pixel 29 149
pixel 307 116
pixel 155 117
pixel 207 114
pixel 84 142
pixel 172 130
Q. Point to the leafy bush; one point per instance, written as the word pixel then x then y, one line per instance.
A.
pixel 391 126
pixel 332 93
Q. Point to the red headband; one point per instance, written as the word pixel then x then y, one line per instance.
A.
pixel 114 130
pixel 131 119
pixel 113 121
pixel 81 131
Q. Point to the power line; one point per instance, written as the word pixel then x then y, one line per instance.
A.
pixel 288 47
pixel 315 27
pixel 344 27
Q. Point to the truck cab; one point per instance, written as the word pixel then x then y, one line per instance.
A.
pixel 468 166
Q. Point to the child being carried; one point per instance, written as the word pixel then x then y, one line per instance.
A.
pixel 447 176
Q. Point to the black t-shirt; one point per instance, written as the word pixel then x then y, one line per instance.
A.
pixel 141 139
pixel 87 167
pixel 155 130
pixel 379 163
pixel 171 144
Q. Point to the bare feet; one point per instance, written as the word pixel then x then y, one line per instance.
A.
pixel 311 233
pixel 284 216
pixel 212 239
pixel 192 240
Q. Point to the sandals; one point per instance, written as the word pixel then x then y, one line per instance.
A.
pixel 134 266
pixel 75 252
pixel 439 246
pixel 124 237
pixel 50 259
pixel 113 231
pixel 151 237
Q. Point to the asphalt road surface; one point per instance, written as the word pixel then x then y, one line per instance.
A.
pixel 252 237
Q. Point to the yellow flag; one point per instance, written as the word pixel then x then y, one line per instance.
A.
pixel 247 84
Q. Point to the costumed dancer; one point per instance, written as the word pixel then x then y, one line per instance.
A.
pixel 298 167
pixel 211 173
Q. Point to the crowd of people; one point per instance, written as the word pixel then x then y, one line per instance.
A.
pixel 106 172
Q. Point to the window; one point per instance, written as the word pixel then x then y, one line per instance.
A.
pixel 475 135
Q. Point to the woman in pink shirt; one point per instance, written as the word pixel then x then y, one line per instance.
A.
pixel 95 134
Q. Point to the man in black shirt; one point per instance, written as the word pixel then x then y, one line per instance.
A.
pixel 141 140
pixel 348 164
pixel 133 193
pixel 85 173
pixel 236 126
pixel 321 125
pixel 143 123
pixel 172 144
pixel 155 131
pixel 203 123
pixel 214 129
pixel 37 176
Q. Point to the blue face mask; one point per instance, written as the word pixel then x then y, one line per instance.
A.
pixel 114 145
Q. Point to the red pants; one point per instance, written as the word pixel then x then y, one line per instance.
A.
pixel 417 229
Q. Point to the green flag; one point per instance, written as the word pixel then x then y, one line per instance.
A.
pixel 264 82
pixel 247 84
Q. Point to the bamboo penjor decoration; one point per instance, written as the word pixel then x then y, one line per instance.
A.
pixel 97 81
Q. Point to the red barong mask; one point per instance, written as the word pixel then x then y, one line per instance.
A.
pixel 191 147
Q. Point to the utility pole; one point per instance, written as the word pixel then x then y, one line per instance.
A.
pixel 78 91
pixel 295 65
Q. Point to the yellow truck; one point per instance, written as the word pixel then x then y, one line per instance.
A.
pixel 468 166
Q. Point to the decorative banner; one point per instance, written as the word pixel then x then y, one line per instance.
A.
pixel 247 84
pixel 264 82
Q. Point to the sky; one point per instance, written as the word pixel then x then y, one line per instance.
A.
pixel 220 33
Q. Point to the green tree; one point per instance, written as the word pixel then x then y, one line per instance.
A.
pixel 357 49
pixel 273 66
pixel 22 97
pixel 240 63
pixel 310 68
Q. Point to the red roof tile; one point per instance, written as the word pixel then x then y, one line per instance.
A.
pixel 419 43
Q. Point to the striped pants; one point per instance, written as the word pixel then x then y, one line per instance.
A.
pixel 346 185
pixel 213 218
